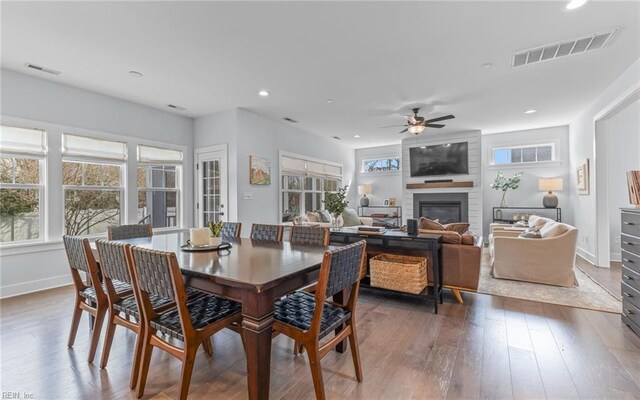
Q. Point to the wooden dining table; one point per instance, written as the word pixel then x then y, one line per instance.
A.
pixel 253 272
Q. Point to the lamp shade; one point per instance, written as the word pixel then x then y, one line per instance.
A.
pixel 550 184
pixel 416 129
pixel 364 189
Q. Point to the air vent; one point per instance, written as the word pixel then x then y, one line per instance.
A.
pixel 42 69
pixel 290 120
pixel 561 49
pixel 337 137
pixel 176 107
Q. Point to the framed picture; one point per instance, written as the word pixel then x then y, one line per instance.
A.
pixel 392 201
pixel 582 178
pixel 259 171
pixel 385 202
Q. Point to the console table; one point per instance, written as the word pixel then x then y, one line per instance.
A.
pixel 505 214
pixel 393 220
pixel 396 242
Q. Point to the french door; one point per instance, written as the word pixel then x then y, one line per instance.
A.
pixel 211 199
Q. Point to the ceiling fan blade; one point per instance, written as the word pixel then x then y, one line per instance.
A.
pixel 440 118
pixel 392 126
pixel 412 120
pixel 403 131
pixel 434 125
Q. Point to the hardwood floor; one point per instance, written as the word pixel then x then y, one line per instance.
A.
pixel 490 347
pixel 609 278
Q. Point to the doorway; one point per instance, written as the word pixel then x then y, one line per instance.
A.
pixel 211 196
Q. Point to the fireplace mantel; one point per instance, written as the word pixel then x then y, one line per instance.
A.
pixel 439 185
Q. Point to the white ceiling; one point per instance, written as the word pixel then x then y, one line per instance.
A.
pixel 374 59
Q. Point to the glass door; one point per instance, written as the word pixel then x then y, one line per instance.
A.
pixel 212 183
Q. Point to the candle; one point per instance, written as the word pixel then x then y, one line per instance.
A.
pixel 199 236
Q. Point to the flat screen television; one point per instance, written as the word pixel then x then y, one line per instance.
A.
pixel 441 159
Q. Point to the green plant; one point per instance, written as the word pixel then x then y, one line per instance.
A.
pixel 335 202
pixel 504 184
pixel 216 228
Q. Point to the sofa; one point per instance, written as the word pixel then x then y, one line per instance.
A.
pixel 549 259
pixel 364 221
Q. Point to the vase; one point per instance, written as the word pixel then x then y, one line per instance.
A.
pixel 503 201
pixel 335 223
pixel 214 241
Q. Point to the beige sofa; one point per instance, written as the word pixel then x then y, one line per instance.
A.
pixel 548 260
pixel 364 221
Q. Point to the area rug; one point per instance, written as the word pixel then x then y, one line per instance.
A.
pixel 588 294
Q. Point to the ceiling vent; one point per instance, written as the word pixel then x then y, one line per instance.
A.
pixel 176 107
pixel 293 121
pixel 42 69
pixel 561 49
pixel 337 137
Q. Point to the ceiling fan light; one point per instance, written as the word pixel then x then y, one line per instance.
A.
pixel 416 129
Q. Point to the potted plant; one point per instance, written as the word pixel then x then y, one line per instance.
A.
pixel 216 232
pixel 504 184
pixel 335 203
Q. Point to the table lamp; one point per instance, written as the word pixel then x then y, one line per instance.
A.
pixel 549 185
pixel 364 190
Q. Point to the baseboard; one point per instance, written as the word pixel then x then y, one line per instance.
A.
pixel 586 255
pixel 617 256
pixel 34 286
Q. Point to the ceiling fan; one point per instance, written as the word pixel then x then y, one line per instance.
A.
pixel 417 125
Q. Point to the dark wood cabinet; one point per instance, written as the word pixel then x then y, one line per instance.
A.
pixel 631 268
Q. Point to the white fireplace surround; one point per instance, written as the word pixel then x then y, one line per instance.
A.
pixel 475 174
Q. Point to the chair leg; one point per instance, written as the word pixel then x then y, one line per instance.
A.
pixel 95 335
pixel 75 321
pixel 355 352
pixel 137 357
pixel 316 372
pixel 458 296
pixel 145 359
pixel 108 340
pixel 208 347
pixel 187 369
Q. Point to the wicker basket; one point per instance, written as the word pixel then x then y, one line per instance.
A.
pixel 396 272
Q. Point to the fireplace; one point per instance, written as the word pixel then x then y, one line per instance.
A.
pixel 445 207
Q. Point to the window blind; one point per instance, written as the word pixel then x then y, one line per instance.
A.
pixel 157 155
pixel 82 146
pixel 22 140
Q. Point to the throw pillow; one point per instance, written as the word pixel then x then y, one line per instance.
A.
pixel 324 216
pixel 468 238
pixel 553 230
pixel 448 237
pixel 460 227
pixel 350 217
pixel 313 217
pixel 530 234
pixel 426 223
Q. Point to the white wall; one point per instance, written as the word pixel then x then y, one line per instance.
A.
pixel 622 140
pixel 581 141
pixel 54 107
pixel 527 195
pixel 252 134
pixel 384 184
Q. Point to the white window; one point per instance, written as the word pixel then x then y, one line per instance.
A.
pixel 304 184
pixel 92 171
pixel 380 165
pixel 524 154
pixel 158 182
pixel 22 163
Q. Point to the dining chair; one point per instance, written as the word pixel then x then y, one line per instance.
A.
pixel 271 233
pixel 115 261
pixel 156 273
pixel 89 298
pixel 309 235
pixel 119 232
pixel 307 318
pixel 231 229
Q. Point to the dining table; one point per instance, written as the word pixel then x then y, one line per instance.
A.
pixel 253 272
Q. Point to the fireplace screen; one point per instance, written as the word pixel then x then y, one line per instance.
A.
pixel 444 212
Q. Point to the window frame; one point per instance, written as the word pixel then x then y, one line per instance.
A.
pixel 177 190
pixel 554 155
pixel 380 158
pixel 41 186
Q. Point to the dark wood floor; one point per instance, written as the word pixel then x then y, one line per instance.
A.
pixel 609 278
pixel 490 347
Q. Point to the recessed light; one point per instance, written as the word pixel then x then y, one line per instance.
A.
pixel 531 111
pixel 573 4
pixel 329 101
pixel 263 93
pixel 135 74
pixel 487 65
pixel 356 136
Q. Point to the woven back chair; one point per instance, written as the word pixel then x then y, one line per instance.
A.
pixel 89 298
pixel 231 229
pixel 309 235
pixel 271 233
pixel 156 273
pixel 307 318
pixel 121 232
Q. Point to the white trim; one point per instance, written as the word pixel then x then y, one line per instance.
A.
pixel 197 186
pixel 34 286
pixel 586 255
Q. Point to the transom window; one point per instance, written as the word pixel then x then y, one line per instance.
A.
pixel 524 154
pixel 381 165
pixel 21 184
